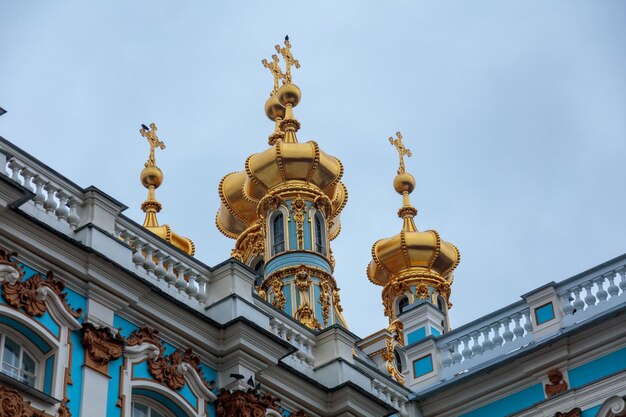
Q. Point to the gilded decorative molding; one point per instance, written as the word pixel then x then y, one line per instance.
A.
pixel 298 212
pixel 27 294
pixel 12 404
pixel 279 297
pixel 304 314
pixel 576 412
pixel 557 383
pixel 325 301
pixel 101 347
pixel 292 270
pixel 389 357
pixel 248 403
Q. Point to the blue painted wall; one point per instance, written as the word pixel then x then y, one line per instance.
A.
pixel 510 404
pixel 597 368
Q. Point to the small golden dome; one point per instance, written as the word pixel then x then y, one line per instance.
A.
pixel 273 108
pixel 289 94
pixel 404 182
pixel 151 175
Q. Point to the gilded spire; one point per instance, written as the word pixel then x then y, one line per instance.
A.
pixel 151 176
pixel 402 150
pixel 276 71
pixel 404 184
pixel 279 107
pixel 288 58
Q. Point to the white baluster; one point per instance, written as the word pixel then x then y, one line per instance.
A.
pixel 138 259
pixel 191 289
pixel 39 197
pixel 622 273
pixel 50 204
pixel 149 264
pixel 170 277
pixel 181 283
pixel 487 343
pixel 477 348
pixel 528 325
pixel 203 295
pixel 613 289
pixel 62 211
pixel 447 357
pixel 579 304
pixel 497 339
pixel 601 294
pixel 15 168
pixel 456 353
pixel 590 299
pixel 467 352
pixel 566 304
pixel 508 334
pixel 73 218
pixel 124 235
pixel 518 330
pixel 28 175
pixel 159 271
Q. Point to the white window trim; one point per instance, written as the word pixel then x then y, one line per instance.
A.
pixel 151 403
pixel 26 346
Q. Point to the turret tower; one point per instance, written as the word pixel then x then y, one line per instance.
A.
pixel 415 269
pixel 283 210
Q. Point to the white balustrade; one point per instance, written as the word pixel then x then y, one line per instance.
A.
pixel 481 341
pixel 50 196
pixel 155 260
pixel 292 333
pixel 588 296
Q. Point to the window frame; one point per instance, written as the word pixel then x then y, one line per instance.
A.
pixel 320 241
pixel 25 347
pixel 152 404
pixel 272 235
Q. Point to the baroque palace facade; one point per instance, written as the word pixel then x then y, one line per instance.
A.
pixel 101 316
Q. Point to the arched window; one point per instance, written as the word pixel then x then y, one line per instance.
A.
pixel 402 304
pixel 17 362
pixel 398 359
pixel 441 303
pixel 320 236
pixel 142 407
pixel 278 234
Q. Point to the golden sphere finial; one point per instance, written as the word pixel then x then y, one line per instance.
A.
pixel 289 94
pixel 273 109
pixel 404 182
pixel 151 175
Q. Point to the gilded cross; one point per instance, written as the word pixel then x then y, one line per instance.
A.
pixel 275 70
pixel 153 140
pixel 288 58
pixel 402 150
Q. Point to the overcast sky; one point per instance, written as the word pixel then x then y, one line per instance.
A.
pixel 515 112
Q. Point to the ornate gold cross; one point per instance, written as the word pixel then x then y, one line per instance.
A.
pixel 275 70
pixel 153 140
pixel 288 58
pixel 402 150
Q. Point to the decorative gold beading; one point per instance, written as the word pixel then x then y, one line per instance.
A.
pixel 288 58
pixel 298 212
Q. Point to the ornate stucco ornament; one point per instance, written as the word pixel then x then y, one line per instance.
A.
pixel 557 383
pixel 30 295
pixel 170 369
pixel 101 347
pixel 151 178
pixel 414 264
pixel 250 403
pixel 576 412
pixel 12 404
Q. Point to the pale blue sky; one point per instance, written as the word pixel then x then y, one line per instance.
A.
pixel 515 112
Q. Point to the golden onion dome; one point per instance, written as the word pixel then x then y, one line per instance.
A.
pixel 289 162
pixel 411 253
